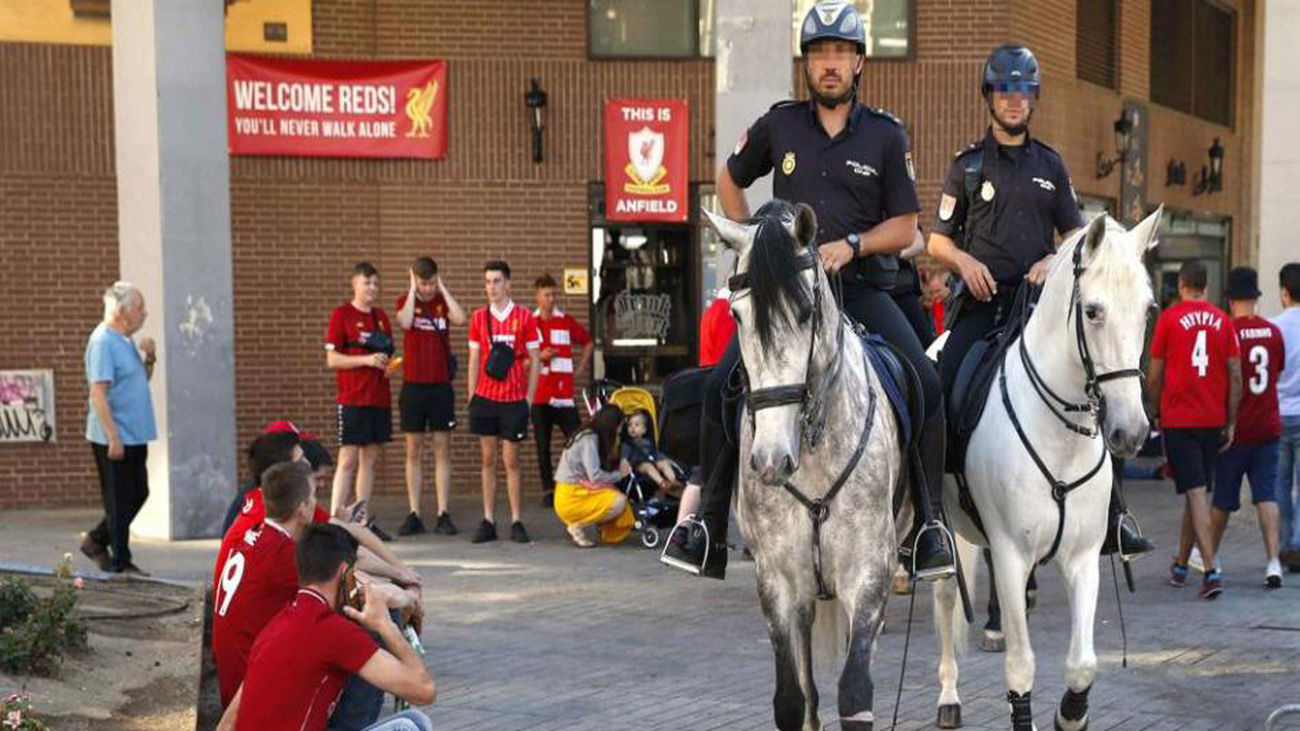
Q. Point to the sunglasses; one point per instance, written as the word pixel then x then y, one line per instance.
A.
pixel 1028 88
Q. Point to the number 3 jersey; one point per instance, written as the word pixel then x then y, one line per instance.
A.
pixel 1195 339
pixel 257 577
pixel 1263 356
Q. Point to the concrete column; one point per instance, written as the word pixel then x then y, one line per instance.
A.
pixel 173 198
pixel 753 63
pixel 1279 187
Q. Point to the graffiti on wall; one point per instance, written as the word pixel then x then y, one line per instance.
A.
pixel 26 406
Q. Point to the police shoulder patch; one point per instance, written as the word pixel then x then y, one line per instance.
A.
pixel 882 112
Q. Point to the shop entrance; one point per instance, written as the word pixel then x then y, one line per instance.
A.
pixel 1186 236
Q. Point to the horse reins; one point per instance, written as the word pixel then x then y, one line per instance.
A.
pixel 1095 407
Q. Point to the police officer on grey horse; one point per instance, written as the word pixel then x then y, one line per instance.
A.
pixel 1005 196
pixel 852 164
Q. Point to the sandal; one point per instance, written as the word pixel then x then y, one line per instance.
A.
pixel 579 536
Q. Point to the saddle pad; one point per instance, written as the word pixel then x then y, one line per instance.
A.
pixel 898 380
pixel 679 415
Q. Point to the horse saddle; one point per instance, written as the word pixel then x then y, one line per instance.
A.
pixel 974 381
pixel 902 386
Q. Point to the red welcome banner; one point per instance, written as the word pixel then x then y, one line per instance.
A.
pixel 336 108
pixel 646 149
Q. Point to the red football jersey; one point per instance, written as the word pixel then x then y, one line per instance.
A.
pixel 1195 339
pixel 348 332
pixel 252 514
pixel 516 327
pixel 716 328
pixel 259 577
pixel 1263 356
pixel 562 334
pixel 426 344
pixel 298 666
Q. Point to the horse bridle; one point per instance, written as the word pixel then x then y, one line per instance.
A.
pixel 1095 406
pixel 812 402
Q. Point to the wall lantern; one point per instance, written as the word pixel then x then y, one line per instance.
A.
pixel 535 98
pixel 1123 138
pixel 1210 180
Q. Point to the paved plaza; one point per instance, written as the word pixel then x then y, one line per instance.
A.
pixel 548 637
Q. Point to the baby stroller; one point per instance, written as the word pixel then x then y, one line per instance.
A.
pixel 654 516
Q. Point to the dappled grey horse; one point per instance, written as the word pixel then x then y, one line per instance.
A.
pixel 820 462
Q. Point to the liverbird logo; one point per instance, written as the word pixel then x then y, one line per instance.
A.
pixel 645 152
pixel 419 102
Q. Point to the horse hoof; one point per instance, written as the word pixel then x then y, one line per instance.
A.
pixel 902 585
pixel 950 715
pixel 993 641
pixel 1057 722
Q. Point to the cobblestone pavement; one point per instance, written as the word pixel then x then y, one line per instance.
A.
pixel 545 636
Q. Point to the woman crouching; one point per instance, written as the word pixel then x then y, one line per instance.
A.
pixel 585 494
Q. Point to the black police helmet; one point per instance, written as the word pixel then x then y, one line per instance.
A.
pixel 832 20
pixel 1011 67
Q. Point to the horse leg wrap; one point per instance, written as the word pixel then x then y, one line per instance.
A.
pixel 1022 717
pixel 1074 705
pixel 864 721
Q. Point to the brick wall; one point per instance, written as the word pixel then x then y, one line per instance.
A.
pixel 300 224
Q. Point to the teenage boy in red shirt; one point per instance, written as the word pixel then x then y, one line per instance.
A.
pixel 498 407
pixel 301 660
pixel 553 403
pixel 1195 376
pixel 358 344
pixel 426 402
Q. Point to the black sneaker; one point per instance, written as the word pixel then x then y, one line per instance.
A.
pixel 96 552
pixel 412 526
pixel 444 526
pixel 487 531
pixel 548 499
pixel 688 549
pixel 1122 537
pixel 380 533
pixel 518 534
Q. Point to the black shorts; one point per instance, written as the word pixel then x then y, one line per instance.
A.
pixel 505 419
pixel 1192 454
pixel 362 425
pixel 427 407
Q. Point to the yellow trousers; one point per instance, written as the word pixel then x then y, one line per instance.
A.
pixel 582 505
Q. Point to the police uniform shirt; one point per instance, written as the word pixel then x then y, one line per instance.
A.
pixel 853 181
pixel 1002 204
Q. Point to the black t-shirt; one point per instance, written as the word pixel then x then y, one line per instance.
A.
pixel 1002 204
pixel 853 181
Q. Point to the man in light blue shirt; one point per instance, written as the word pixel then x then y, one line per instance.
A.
pixel 1288 400
pixel 119 424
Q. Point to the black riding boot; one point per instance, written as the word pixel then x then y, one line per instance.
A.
pixel 1120 534
pixel 933 558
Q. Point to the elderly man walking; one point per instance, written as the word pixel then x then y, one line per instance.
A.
pixel 119 424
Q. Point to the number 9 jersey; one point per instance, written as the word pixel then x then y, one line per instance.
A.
pixel 1195 339
pixel 1263 355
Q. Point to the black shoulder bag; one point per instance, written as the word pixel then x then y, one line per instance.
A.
pixel 501 357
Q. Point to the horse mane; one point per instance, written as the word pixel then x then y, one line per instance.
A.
pixel 778 291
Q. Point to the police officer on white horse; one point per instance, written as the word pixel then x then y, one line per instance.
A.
pixel 1004 197
pixel 852 164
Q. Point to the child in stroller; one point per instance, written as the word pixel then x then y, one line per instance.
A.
pixel 656 483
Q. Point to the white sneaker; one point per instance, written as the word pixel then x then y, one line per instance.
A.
pixel 1273 575
pixel 1195 561
pixel 579 535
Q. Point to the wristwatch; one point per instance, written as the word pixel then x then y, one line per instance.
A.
pixel 855 242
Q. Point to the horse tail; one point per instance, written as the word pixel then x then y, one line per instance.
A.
pixel 969 556
pixel 830 634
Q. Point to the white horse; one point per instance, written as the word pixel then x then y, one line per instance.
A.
pixel 1068 394
pixel 824 461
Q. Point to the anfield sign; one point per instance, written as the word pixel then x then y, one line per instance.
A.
pixel 646 149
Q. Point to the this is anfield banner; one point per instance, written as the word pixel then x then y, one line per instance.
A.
pixel 646 149
pixel 303 108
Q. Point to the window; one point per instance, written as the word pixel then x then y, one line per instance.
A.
pixel 1094 41
pixel 646 28
pixel 1192 53
pixel 888 24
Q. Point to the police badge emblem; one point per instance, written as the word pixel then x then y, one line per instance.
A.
pixel 787 163
pixel 986 191
pixel 911 171
pixel 947 205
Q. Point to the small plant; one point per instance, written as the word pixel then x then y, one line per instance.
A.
pixel 16 714
pixel 35 631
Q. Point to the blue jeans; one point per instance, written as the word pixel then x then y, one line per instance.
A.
pixel 408 720
pixel 360 703
pixel 1288 478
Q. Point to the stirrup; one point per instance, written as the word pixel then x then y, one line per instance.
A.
pixel 1119 535
pixel 688 522
pixel 941 572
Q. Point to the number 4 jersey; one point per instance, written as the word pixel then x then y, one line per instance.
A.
pixel 1262 358
pixel 1195 339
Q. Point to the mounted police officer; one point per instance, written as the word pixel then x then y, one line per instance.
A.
pixel 853 165
pixel 1005 196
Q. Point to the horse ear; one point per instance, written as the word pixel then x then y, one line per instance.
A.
pixel 805 224
pixel 735 236
pixel 1093 235
pixel 1145 234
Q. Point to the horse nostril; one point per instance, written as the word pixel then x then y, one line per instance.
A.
pixel 788 464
